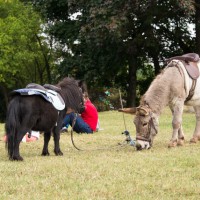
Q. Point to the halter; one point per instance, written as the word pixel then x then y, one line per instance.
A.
pixel 150 126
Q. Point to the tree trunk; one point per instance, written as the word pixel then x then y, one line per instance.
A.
pixel 47 65
pixel 5 94
pixel 156 64
pixel 38 71
pixel 132 79
pixel 197 25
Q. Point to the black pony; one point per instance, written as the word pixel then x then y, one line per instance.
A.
pixel 26 113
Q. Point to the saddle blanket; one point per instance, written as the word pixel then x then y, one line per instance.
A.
pixel 49 95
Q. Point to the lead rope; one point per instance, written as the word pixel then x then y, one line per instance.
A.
pixel 120 96
pixel 72 140
pixel 126 132
pixel 72 130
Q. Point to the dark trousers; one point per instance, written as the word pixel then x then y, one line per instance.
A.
pixel 80 126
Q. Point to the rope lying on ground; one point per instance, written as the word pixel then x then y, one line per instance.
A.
pixel 119 145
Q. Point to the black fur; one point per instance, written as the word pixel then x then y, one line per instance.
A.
pixel 26 113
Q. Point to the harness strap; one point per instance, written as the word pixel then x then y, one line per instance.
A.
pixel 150 126
pixel 142 138
pixel 191 92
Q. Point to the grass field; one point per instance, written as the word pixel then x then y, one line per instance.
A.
pixel 104 170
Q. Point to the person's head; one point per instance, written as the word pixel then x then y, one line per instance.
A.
pixel 85 96
pixel 82 85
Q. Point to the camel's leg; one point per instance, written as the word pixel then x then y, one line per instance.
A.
pixel 196 134
pixel 177 111
pixel 181 137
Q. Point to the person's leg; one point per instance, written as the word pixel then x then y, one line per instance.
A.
pixel 67 120
pixel 80 126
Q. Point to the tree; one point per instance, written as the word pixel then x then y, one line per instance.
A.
pixel 109 41
pixel 197 23
pixel 25 55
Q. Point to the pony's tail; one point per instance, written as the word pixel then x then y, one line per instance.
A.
pixel 12 124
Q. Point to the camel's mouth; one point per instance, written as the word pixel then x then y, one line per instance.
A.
pixel 140 145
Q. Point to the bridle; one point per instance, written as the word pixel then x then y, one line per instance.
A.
pixel 150 126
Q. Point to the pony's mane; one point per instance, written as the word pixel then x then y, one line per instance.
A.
pixel 71 93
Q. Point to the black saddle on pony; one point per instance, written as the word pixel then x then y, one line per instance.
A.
pixel 48 92
pixel 44 87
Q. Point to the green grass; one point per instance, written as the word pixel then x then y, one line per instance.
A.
pixel 105 170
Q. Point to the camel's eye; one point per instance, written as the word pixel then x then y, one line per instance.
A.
pixel 145 124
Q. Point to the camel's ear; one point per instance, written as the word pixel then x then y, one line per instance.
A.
pixel 128 110
pixel 142 110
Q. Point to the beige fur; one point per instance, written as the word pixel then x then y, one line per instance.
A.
pixel 170 88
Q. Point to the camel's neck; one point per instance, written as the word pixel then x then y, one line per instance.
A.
pixel 157 96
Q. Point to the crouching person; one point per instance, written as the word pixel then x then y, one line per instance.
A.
pixel 86 122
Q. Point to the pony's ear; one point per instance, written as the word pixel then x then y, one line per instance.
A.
pixel 128 110
pixel 142 110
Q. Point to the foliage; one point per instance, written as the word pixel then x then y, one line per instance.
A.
pixel 113 172
pixel 144 78
pixel 105 98
pixel 15 39
pixel 25 53
pixel 106 42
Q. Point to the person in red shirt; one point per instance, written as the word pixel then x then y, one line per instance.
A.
pixel 87 121
pixel 90 115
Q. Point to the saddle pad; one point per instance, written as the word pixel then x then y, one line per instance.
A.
pixel 51 96
pixel 192 70
pixel 56 99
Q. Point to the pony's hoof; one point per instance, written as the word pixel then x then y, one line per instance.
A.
pixel 58 153
pixel 172 144
pixel 194 140
pixel 45 153
pixel 16 158
pixel 181 142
